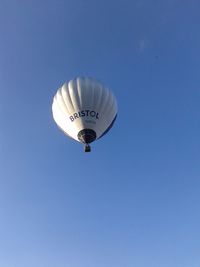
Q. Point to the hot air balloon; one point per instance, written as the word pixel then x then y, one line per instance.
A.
pixel 84 110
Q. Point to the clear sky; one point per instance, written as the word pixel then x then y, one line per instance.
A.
pixel 135 200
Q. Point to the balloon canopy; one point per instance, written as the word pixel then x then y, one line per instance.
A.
pixel 84 110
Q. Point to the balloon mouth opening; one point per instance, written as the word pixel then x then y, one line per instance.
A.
pixel 87 136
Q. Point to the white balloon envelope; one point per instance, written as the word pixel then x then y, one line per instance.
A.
pixel 84 110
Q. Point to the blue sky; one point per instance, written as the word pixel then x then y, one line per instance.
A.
pixel 133 201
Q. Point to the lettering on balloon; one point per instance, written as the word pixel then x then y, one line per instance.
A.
pixel 85 113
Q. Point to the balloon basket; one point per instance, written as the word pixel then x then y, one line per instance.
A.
pixel 87 148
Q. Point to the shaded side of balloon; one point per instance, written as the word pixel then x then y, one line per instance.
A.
pixel 109 127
